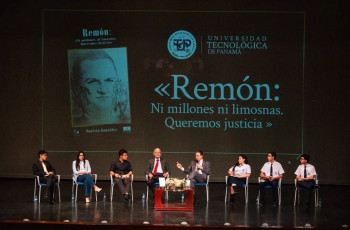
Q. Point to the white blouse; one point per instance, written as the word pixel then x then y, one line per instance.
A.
pixel 87 168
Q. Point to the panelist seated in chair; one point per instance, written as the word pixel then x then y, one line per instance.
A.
pixel 46 173
pixel 198 170
pixel 238 174
pixel 305 174
pixel 271 172
pixel 82 173
pixel 157 167
pixel 122 171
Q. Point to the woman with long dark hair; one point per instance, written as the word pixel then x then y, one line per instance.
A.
pixel 82 173
pixel 238 175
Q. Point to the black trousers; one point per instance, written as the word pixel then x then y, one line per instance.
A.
pixel 50 182
pixel 274 185
pixel 151 181
pixel 307 185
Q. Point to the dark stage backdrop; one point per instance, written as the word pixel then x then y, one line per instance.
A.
pixel 227 78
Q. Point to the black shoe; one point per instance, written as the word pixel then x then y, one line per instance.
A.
pixel 52 201
pixel 316 186
pixel 46 195
pixel 232 198
pixel 126 196
pixel 261 203
pixel 274 204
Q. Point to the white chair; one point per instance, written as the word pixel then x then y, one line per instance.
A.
pixel 298 188
pixel 131 189
pixel 76 184
pixel 269 186
pixel 157 183
pixel 245 189
pixel 38 183
pixel 206 184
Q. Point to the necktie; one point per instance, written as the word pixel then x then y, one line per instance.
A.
pixel 44 166
pixel 271 171
pixel 305 172
pixel 155 168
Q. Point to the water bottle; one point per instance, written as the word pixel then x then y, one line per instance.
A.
pixel 187 183
pixel 183 198
pixel 73 198
pixel 104 196
pixel 319 202
pixel 36 199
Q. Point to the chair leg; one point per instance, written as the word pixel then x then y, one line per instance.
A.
pixel 39 193
pixel 132 192
pixel 279 196
pixel 258 197
pixel 146 192
pixel 112 186
pixel 246 194
pixel 34 189
pixel 59 194
pixel 207 188
pixel 226 194
pixel 76 193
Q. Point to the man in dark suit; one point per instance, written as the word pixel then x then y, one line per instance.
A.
pixel 198 170
pixel 157 167
pixel 46 172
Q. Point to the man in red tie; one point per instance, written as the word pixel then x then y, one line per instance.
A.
pixel 157 167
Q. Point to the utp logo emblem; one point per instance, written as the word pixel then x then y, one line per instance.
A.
pixel 182 44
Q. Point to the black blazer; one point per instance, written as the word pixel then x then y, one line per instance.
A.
pixel 163 163
pixel 38 169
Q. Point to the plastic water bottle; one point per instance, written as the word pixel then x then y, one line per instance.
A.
pixel 36 199
pixel 183 198
pixel 73 198
pixel 319 202
pixel 104 196
pixel 187 183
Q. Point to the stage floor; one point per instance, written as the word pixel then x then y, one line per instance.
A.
pixel 16 202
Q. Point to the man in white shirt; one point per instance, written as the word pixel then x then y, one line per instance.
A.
pixel 271 172
pixel 305 174
pixel 197 170
pixel 157 167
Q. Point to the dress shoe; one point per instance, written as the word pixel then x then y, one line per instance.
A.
pixel 97 189
pixel 52 202
pixel 232 198
pixel 274 204
pixel 126 196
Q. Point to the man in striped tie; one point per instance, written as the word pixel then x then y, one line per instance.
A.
pixel 270 174
pixel 305 175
